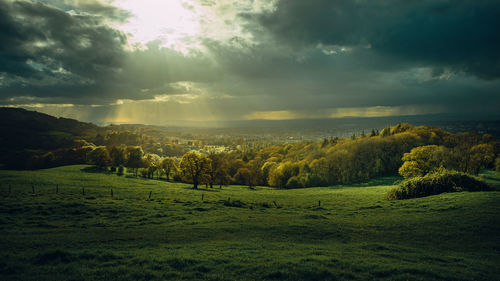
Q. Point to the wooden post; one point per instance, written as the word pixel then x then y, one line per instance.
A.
pixel 319 203
pixel 275 204
pixel 150 194
pixel 83 190
pixel 111 192
pixel 229 199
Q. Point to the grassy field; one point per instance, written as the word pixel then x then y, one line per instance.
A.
pixel 83 233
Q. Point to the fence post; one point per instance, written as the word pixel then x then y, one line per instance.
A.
pixel 150 194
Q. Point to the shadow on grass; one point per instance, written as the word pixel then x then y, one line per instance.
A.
pixel 203 189
pixel 389 180
pixel 95 170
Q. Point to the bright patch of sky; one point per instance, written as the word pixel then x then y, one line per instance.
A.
pixel 182 25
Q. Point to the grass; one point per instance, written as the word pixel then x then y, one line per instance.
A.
pixel 239 233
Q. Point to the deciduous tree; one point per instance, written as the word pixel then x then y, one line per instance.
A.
pixel 194 167
pixel 169 165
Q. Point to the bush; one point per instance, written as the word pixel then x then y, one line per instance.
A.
pixel 121 170
pixel 434 183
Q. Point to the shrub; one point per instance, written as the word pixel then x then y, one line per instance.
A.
pixel 121 170
pixel 434 183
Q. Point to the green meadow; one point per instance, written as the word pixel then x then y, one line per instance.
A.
pixel 75 223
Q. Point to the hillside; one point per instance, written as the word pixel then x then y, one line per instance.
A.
pixel 336 233
pixel 18 119
pixel 27 133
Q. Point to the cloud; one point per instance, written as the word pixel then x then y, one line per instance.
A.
pixel 460 35
pixel 256 60
pixel 49 53
pixel 99 8
pixel 48 48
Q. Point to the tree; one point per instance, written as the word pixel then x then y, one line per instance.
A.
pixel 218 171
pixel 194 167
pixel 222 176
pixel 169 165
pixel 280 175
pixel 135 154
pixel 100 157
pixel 386 131
pixel 152 162
pixel 267 168
pixel 118 155
pixel 481 156
pixel 400 128
pixel 80 154
pixel 411 169
pixel 422 160
pixel 243 177
pixel 254 166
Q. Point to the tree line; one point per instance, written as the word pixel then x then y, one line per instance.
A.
pixel 402 148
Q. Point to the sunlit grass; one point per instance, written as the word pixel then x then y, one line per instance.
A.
pixel 234 233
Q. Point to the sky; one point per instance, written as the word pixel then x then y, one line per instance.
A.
pixel 165 61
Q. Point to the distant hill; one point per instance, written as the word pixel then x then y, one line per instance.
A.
pixel 25 133
pixel 18 118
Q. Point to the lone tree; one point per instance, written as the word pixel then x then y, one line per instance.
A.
pixel 194 167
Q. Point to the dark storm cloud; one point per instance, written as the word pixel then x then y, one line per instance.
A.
pixel 304 56
pixel 461 35
pixel 94 8
pixel 48 53
pixel 98 8
pixel 279 78
pixel 49 46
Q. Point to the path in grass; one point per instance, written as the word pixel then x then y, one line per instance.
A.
pixel 238 233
